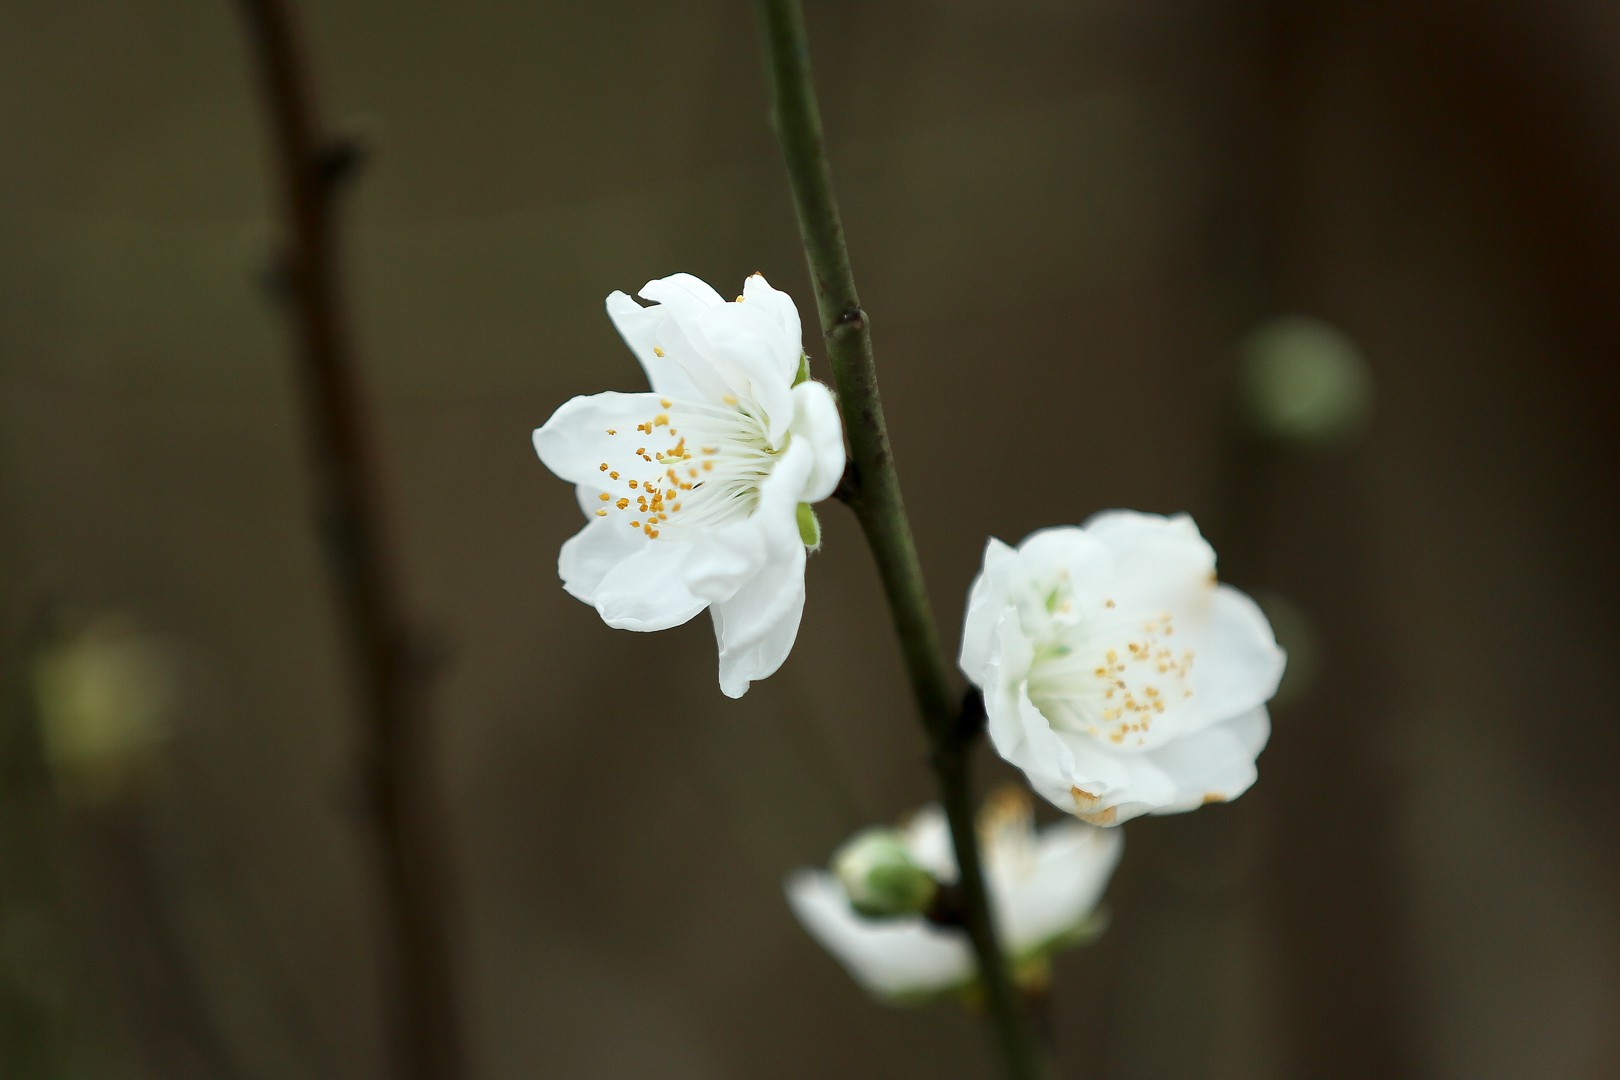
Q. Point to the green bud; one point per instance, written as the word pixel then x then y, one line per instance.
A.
pixel 882 879
pixel 809 527
pixel 804 369
pixel 1305 382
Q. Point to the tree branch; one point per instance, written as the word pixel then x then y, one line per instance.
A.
pixel 877 504
pixel 425 1037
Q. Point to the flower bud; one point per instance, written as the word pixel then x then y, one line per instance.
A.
pixel 1304 382
pixel 880 876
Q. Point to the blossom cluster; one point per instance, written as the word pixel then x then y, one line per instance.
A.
pixel 1118 673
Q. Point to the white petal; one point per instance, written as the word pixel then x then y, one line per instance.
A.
pixel 575 441
pixel 749 351
pixel 753 572
pixel 928 839
pixel 816 421
pixel 1073 863
pixel 1127 785
pixel 1159 561
pixel 1239 663
pixel 891 958
pixel 757 626
pixel 590 554
pixel 647 591
pixel 1068 554
pixel 1216 764
pixel 642 330
pixel 987 602
pixel 684 295
pixel 725 558
pixel 759 295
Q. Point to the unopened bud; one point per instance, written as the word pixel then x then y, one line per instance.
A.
pixel 881 877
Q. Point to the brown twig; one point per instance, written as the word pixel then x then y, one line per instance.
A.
pixel 310 167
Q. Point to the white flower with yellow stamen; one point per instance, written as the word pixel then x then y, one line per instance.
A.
pixel 1117 673
pixel 1043 886
pixel 697 493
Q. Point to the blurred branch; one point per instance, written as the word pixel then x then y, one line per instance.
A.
pixel 309 168
pixel 163 984
pixel 872 490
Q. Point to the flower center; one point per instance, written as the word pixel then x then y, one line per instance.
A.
pixel 1109 675
pixel 690 464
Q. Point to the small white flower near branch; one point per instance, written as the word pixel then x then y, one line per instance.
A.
pixel 1117 673
pixel 1045 887
pixel 697 494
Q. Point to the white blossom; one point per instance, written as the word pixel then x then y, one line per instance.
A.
pixel 1117 673
pixel 696 493
pixel 1043 886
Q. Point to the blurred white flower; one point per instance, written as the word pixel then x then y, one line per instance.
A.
pixel 1117 673
pixel 1044 888
pixel 697 493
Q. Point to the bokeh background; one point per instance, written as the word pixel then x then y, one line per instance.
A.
pixel 1069 222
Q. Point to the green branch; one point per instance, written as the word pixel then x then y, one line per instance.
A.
pixel 873 492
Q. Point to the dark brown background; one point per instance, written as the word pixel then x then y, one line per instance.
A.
pixel 1064 218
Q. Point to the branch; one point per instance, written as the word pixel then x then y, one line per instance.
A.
pixel 876 501
pixel 426 1042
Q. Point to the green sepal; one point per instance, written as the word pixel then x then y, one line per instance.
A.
pixel 809 527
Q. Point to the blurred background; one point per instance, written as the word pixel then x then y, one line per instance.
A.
pixel 1338 279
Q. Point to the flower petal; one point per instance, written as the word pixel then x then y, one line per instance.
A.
pixel 816 421
pixel 725 558
pixel 753 574
pixel 643 330
pixel 1216 764
pixel 760 296
pixel 683 295
pixel 892 958
pixel 1158 561
pixel 987 601
pixel 1073 863
pixel 748 350
pixel 575 441
pixel 648 591
pixel 591 554
pixel 1239 661
pixel 1121 786
pixel 755 636
pixel 928 839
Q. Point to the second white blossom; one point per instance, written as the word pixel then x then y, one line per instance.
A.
pixel 1118 674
